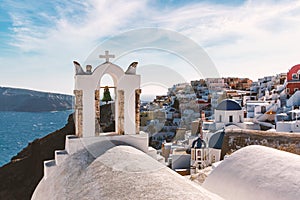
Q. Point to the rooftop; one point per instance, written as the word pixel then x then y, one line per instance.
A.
pixel 121 172
pixel 257 172
pixel 229 104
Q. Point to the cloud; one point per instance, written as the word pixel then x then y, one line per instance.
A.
pixel 252 39
pixel 73 23
pixel 247 39
pixel 65 31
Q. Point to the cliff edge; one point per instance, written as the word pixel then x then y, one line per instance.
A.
pixel 20 177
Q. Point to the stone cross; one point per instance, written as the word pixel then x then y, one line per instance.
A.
pixel 107 56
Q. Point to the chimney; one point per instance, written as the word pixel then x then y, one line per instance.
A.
pixel 89 68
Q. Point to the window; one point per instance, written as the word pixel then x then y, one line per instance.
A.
pixel 240 117
pixel 288 90
pixel 213 159
pixel 295 76
pixel 230 118
pixel 263 109
pixel 220 118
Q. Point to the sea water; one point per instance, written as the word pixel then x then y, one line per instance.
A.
pixel 17 129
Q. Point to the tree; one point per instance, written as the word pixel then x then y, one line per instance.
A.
pixel 106 95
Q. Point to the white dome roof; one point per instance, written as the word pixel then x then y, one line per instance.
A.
pixel 121 172
pixel 257 172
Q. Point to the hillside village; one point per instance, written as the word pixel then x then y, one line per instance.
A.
pixel 162 100
pixel 212 106
pixel 197 130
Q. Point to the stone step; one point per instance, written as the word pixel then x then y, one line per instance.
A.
pixel 152 152
pixel 49 167
pixel 73 144
pixel 60 156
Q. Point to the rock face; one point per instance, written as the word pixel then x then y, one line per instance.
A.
pixel 22 100
pixel 20 177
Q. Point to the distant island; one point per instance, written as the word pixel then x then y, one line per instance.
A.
pixel 24 100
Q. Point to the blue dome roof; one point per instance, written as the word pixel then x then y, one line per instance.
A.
pixel 216 140
pixel 229 104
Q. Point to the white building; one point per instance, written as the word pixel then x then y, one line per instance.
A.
pixel 229 112
pixel 294 100
pixel 262 110
pixel 290 126
pixel 215 84
pixel 204 157
pixel 256 108
pixel 215 96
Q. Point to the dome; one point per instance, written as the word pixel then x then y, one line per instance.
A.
pixel 229 104
pixel 256 172
pixel 116 172
pixel 293 73
pixel 216 140
pixel 295 68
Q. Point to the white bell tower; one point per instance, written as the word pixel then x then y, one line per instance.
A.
pixel 87 100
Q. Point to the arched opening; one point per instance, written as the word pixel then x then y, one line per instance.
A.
pixel 107 80
pixel 105 109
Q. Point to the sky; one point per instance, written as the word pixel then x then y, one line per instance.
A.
pixel 40 39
